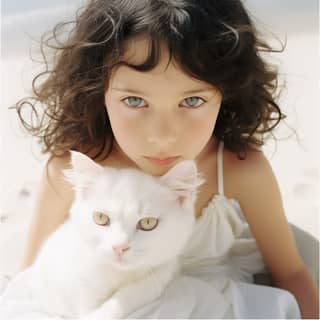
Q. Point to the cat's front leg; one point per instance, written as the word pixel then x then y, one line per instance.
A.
pixel 109 310
pixel 134 295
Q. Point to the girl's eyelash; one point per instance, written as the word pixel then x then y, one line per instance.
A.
pixel 126 98
pixel 203 100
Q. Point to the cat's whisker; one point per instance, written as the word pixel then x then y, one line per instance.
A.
pixel 138 253
pixel 157 284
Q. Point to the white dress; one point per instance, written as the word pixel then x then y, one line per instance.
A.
pixel 216 280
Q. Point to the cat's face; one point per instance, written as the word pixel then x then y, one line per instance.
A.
pixel 131 218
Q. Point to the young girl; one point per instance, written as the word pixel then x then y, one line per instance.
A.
pixel 149 83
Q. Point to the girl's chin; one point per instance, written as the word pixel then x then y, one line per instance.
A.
pixel 153 169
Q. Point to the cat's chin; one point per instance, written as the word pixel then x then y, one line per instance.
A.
pixel 126 263
pixel 123 264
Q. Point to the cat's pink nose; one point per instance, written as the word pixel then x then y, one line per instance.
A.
pixel 121 248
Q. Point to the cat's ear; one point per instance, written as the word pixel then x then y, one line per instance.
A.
pixel 82 164
pixel 83 169
pixel 183 180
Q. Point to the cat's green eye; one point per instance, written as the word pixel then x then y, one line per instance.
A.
pixel 147 224
pixel 100 218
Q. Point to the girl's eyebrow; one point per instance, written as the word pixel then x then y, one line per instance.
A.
pixel 138 92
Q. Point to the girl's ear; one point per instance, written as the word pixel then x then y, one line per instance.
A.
pixel 183 180
pixel 83 169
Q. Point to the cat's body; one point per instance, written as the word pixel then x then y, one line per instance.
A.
pixel 82 277
pixel 119 248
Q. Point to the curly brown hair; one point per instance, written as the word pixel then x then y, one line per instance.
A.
pixel 213 41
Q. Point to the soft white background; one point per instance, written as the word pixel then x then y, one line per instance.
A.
pixel 295 160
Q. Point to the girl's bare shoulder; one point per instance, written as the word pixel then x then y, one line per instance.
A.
pixel 253 183
pixel 53 175
pixel 235 170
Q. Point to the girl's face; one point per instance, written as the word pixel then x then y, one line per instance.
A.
pixel 161 113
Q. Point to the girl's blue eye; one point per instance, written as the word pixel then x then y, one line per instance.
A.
pixel 134 102
pixel 193 102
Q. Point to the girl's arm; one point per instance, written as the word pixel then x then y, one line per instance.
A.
pixel 260 199
pixel 303 287
pixel 53 200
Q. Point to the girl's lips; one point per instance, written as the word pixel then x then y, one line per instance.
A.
pixel 163 160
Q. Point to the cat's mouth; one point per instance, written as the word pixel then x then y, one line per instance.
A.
pixel 126 261
pixel 122 263
pixel 121 259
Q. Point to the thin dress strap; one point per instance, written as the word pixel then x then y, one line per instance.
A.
pixel 220 168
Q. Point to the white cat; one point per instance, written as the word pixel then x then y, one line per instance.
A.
pixel 118 250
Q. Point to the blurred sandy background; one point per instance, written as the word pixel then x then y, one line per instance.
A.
pixel 295 160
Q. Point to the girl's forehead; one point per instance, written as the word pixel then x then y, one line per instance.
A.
pixel 136 52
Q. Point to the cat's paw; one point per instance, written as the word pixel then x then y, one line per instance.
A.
pixel 110 310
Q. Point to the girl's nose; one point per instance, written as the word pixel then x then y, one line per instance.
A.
pixel 161 141
pixel 120 249
pixel 162 133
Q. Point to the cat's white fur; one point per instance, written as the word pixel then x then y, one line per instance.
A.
pixel 77 273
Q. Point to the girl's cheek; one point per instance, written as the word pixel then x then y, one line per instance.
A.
pixel 203 119
pixel 118 110
pixel 200 130
pixel 125 123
